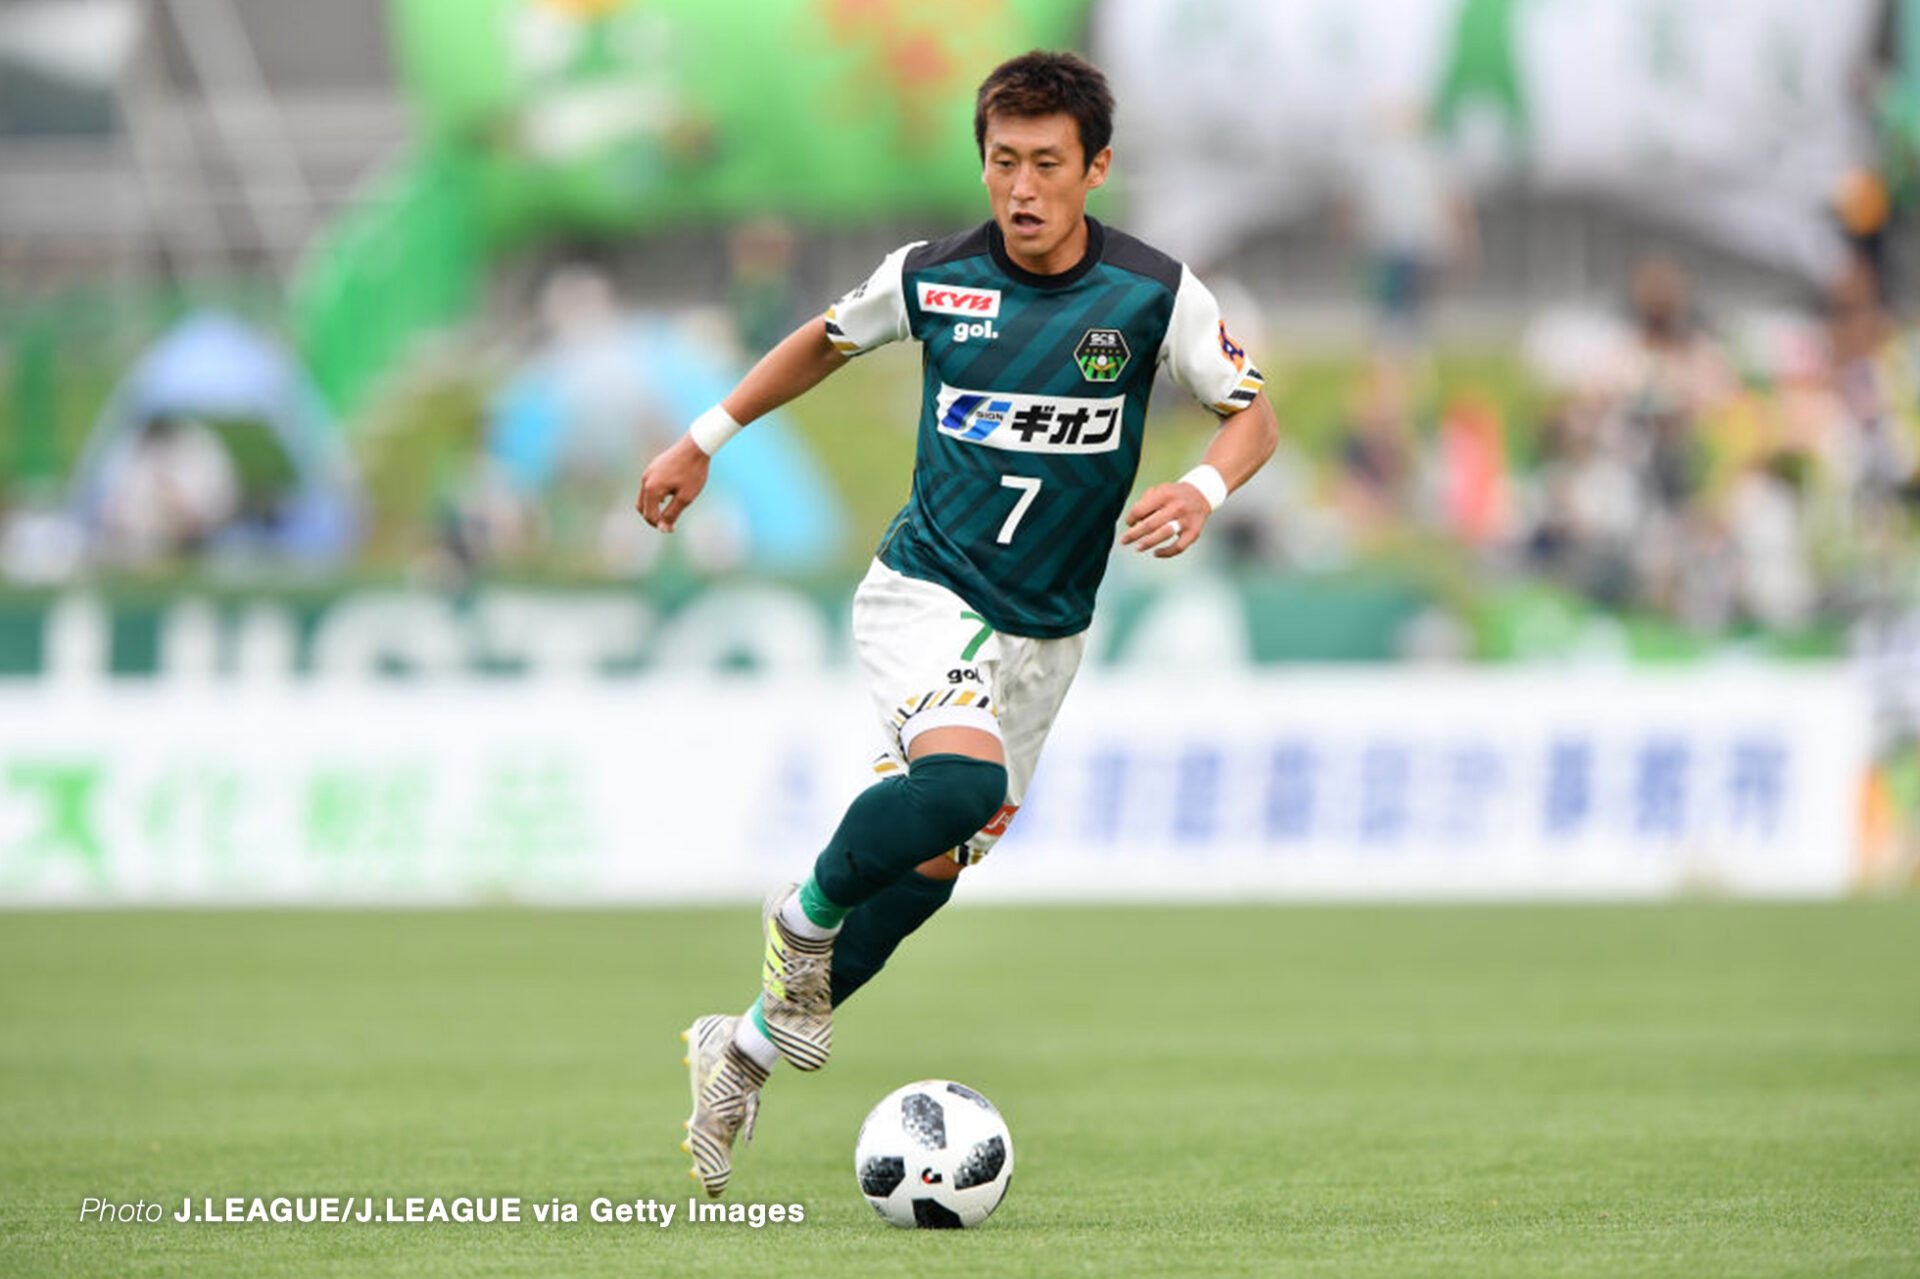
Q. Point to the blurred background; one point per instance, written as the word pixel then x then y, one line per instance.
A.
pixel 334 338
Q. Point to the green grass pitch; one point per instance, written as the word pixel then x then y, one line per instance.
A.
pixel 1693 1090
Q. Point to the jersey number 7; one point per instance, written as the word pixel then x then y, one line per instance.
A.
pixel 1029 486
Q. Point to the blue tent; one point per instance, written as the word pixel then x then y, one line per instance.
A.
pixel 793 518
pixel 213 366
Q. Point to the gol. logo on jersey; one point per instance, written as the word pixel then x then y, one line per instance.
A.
pixel 1101 355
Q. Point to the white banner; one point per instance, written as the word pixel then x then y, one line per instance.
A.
pixel 1382 782
pixel 1400 783
pixel 1737 119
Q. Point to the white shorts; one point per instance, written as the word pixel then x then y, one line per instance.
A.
pixel 932 662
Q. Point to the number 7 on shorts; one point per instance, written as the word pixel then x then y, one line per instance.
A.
pixel 973 645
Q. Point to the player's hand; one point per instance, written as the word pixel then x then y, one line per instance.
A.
pixel 670 483
pixel 1166 520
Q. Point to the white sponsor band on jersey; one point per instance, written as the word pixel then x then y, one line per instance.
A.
pixel 1032 423
pixel 955 299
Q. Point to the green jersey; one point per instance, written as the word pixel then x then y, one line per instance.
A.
pixel 1033 409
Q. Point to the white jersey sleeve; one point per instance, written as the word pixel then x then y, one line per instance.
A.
pixel 1207 363
pixel 875 313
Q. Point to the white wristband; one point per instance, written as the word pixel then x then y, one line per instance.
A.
pixel 712 429
pixel 1208 481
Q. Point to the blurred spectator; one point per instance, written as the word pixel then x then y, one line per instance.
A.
pixel 1588 502
pixel 175 491
pixel 1474 503
pixel 1878 384
pixel 1377 484
pixel 1412 218
pixel 1765 523
pixel 568 430
pixel 1281 520
pixel 610 413
pixel 1673 368
pixel 564 441
pixel 1671 375
pixel 609 404
pixel 1670 485
pixel 1665 476
pixel 760 291
pixel 1863 207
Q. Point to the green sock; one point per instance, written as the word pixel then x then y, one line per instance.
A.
pixel 759 1017
pixel 881 923
pixel 898 822
pixel 818 908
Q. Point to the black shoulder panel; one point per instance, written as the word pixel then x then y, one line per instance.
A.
pixel 963 244
pixel 1136 255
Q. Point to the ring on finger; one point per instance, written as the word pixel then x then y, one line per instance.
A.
pixel 1175 526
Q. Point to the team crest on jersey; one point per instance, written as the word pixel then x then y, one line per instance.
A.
pixel 1031 423
pixel 1101 355
pixel 957 299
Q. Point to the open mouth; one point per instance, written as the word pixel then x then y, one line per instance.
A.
pixel 1026 221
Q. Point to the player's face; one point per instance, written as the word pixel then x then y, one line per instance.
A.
pixel 1038 180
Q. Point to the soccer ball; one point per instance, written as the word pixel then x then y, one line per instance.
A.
pixel 934 1154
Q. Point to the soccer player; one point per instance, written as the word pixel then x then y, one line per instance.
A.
pixel 1041 332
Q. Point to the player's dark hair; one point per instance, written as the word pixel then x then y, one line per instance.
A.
pixel 1044 83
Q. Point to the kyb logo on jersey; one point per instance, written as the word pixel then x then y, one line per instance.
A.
pixel 1101 355
pixel 1031 423
pixel 954 299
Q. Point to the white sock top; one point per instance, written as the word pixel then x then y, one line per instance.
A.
pixel 794 916
pixel 748 1039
